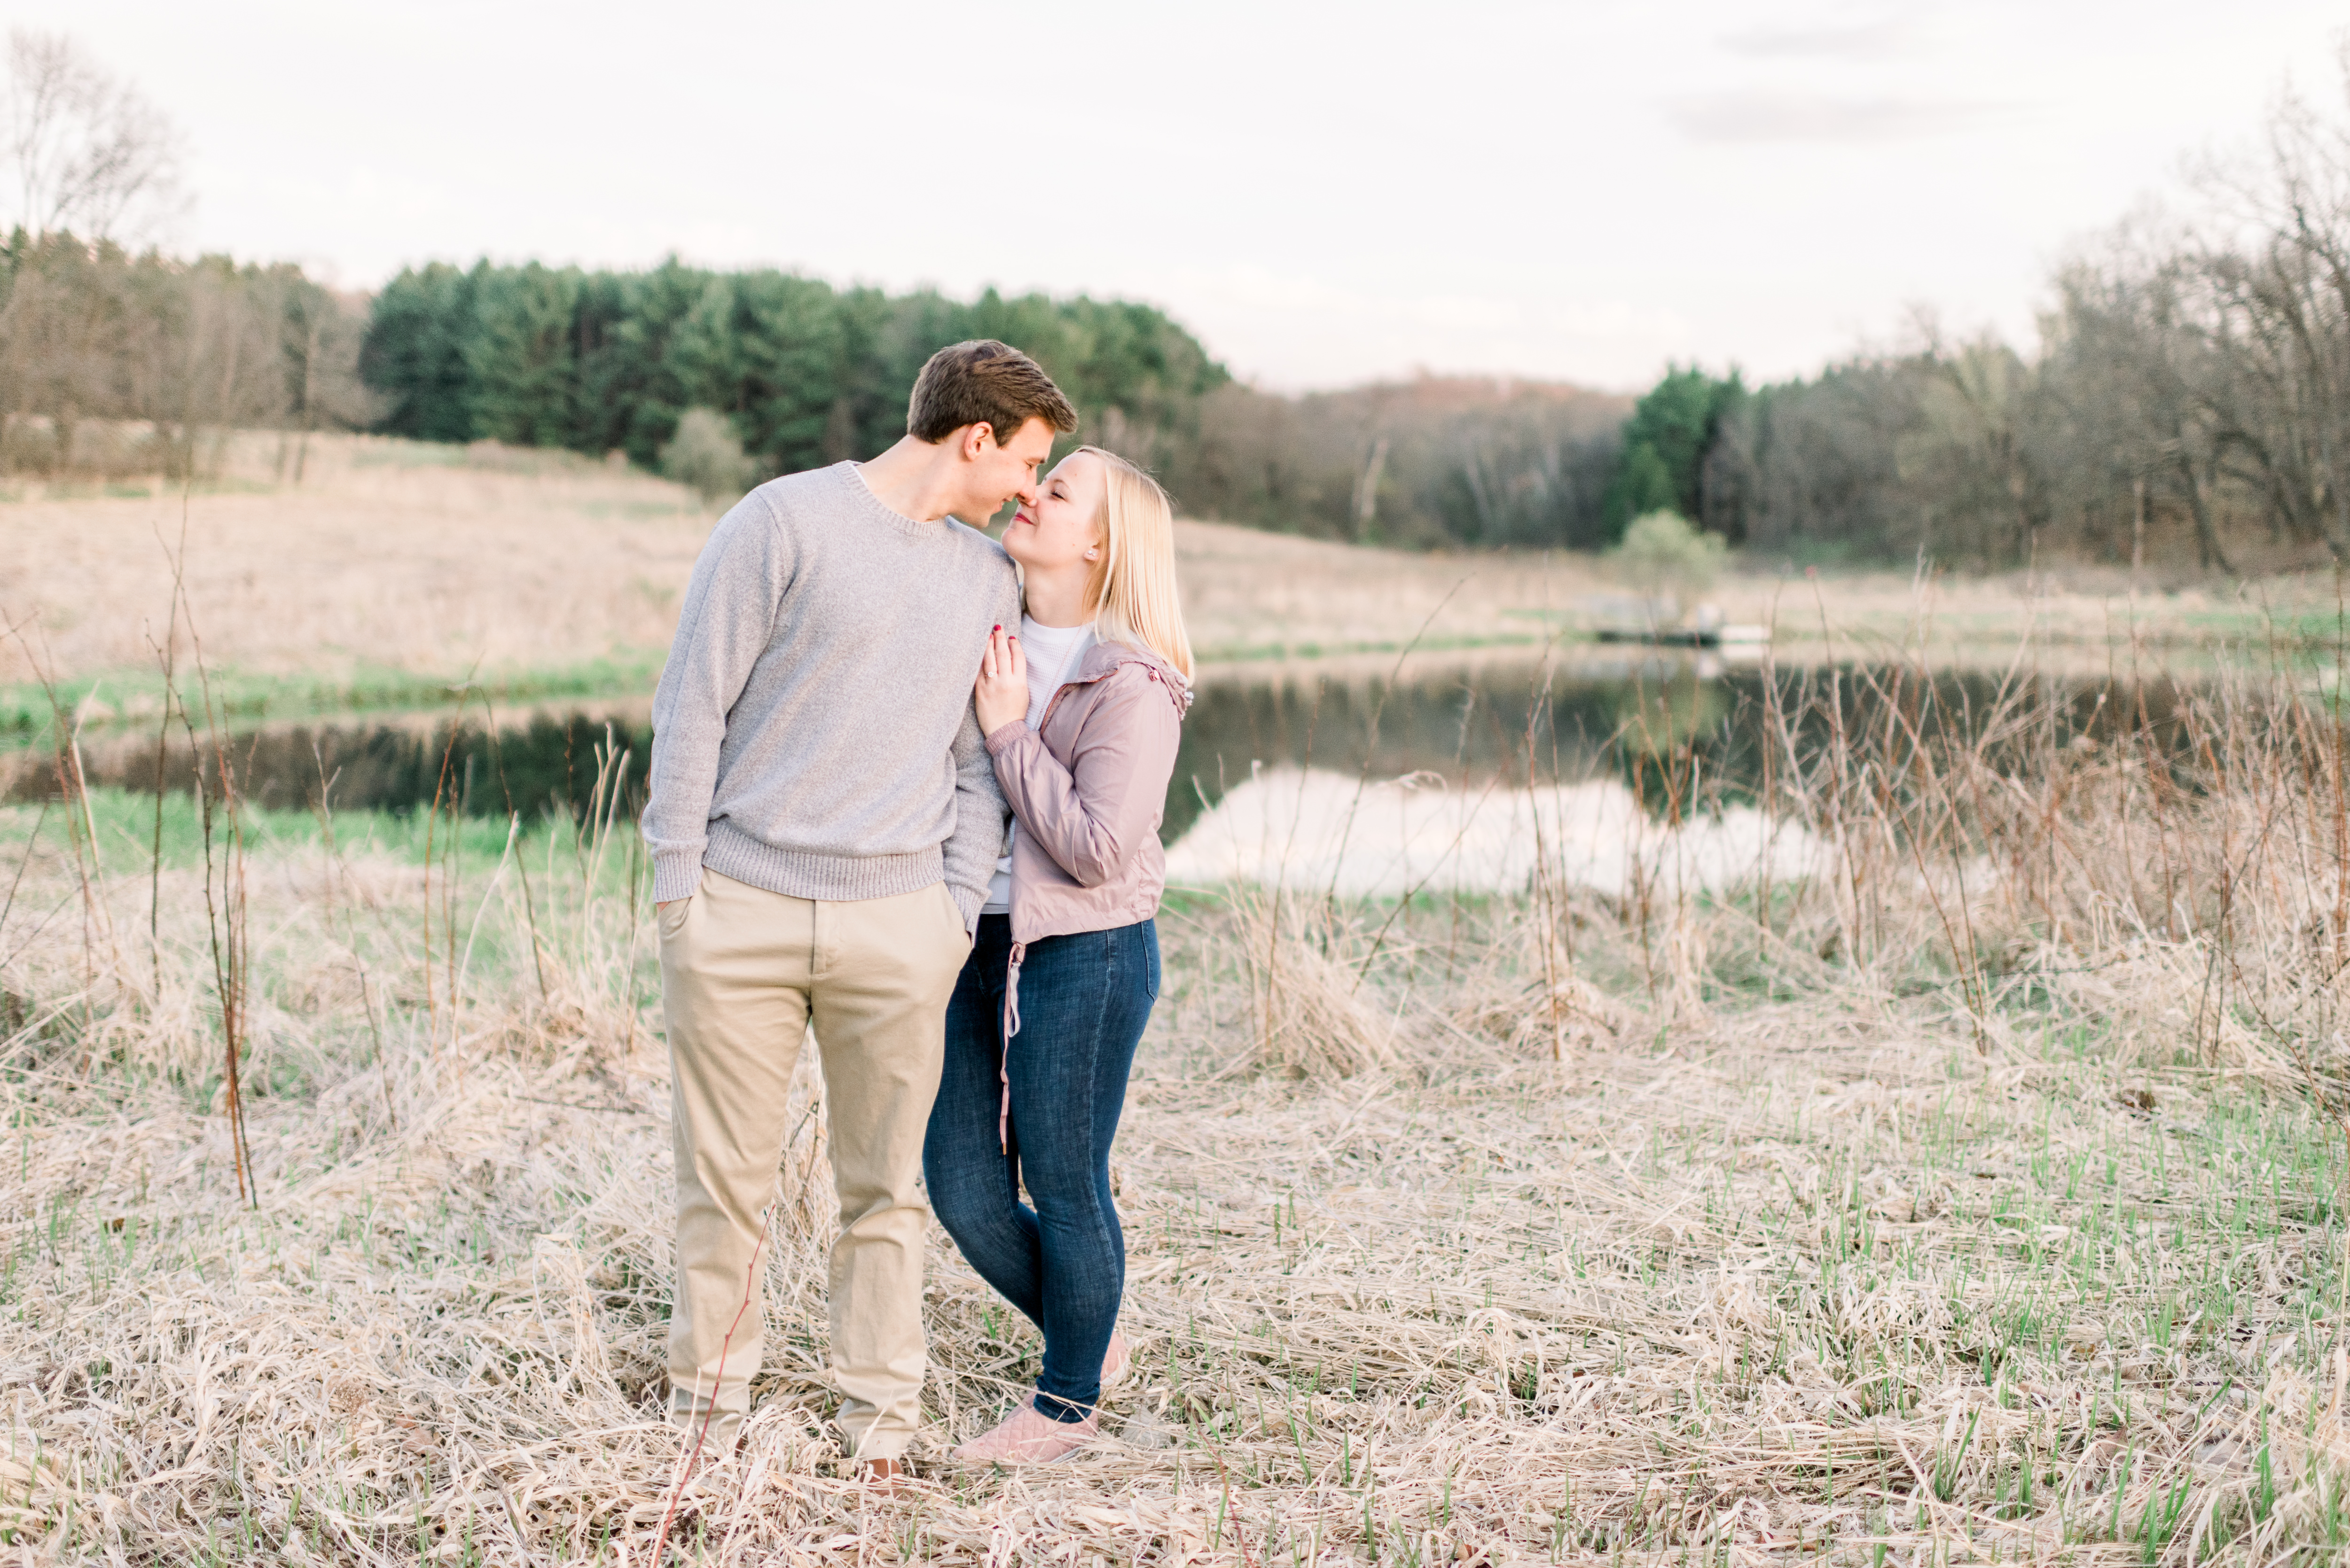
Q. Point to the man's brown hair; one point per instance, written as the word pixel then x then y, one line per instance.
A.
pixel 984 382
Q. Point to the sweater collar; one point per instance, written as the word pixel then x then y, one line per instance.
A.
pixel 852 478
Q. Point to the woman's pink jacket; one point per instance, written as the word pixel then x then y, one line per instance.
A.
pixel 1088 785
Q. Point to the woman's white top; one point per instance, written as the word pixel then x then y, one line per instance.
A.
pixel 1052 652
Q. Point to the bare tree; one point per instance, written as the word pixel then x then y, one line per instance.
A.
pixel 92 155
pixel 2290 293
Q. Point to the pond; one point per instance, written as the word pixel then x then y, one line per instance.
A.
pixel 1651 721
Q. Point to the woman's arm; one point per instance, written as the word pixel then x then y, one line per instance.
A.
pixel 1092 815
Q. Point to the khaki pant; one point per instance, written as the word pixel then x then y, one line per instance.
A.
pixel 744 973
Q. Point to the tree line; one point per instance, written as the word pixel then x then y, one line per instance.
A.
pixel 1459 461
pixel 113 363
pixel 2187 403
pixel 807 373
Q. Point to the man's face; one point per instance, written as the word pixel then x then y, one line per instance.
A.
pixel 997 472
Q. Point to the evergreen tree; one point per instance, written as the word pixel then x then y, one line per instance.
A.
pixel 523 354
pixel 1665 442
pixel 793 362
pixel 414 353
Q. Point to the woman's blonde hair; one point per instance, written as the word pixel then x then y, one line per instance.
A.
pixel 1133 593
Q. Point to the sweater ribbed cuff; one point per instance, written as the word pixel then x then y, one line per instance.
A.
pixel 677 873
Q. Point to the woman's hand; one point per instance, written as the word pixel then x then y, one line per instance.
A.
pixel 1001 693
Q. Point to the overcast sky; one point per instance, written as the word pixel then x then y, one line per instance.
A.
pixel 1325 192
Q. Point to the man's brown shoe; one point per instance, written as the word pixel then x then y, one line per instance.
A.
pixel 887 1477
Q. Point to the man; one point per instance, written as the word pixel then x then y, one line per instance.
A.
pixel 823 823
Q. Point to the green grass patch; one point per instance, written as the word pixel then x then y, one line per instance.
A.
pixel 127 829
pixel 134 697
pixel 2296 628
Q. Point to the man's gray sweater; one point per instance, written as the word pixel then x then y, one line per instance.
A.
pixel 812 733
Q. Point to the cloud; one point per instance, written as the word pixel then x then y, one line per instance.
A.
pixel 1877 40
pixel 1751 117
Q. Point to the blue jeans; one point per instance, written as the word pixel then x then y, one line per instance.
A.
pixel 1084 999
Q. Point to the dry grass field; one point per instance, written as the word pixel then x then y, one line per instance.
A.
pixel 388 556
pixel 1978 1198
pixel 406 567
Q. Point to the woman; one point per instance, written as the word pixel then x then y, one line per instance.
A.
pixel 1082 707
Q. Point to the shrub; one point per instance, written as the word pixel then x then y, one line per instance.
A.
pixel 707 454
pixel 1662 554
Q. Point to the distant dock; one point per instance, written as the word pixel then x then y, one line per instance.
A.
pixel 1730 637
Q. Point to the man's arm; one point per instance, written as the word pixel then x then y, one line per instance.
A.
pixel 728 617
pixel 980 814
pixel 973 849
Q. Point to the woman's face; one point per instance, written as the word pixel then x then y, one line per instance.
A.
pixel 1054 533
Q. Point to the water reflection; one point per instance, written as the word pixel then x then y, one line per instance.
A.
pixel 1468 723
pixel 1318 829
pixel 540 763
pixel 1662 726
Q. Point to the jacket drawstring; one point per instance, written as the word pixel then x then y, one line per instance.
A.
pixel 1003 1062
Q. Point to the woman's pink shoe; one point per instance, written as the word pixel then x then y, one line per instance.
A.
pixel 1028 1436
